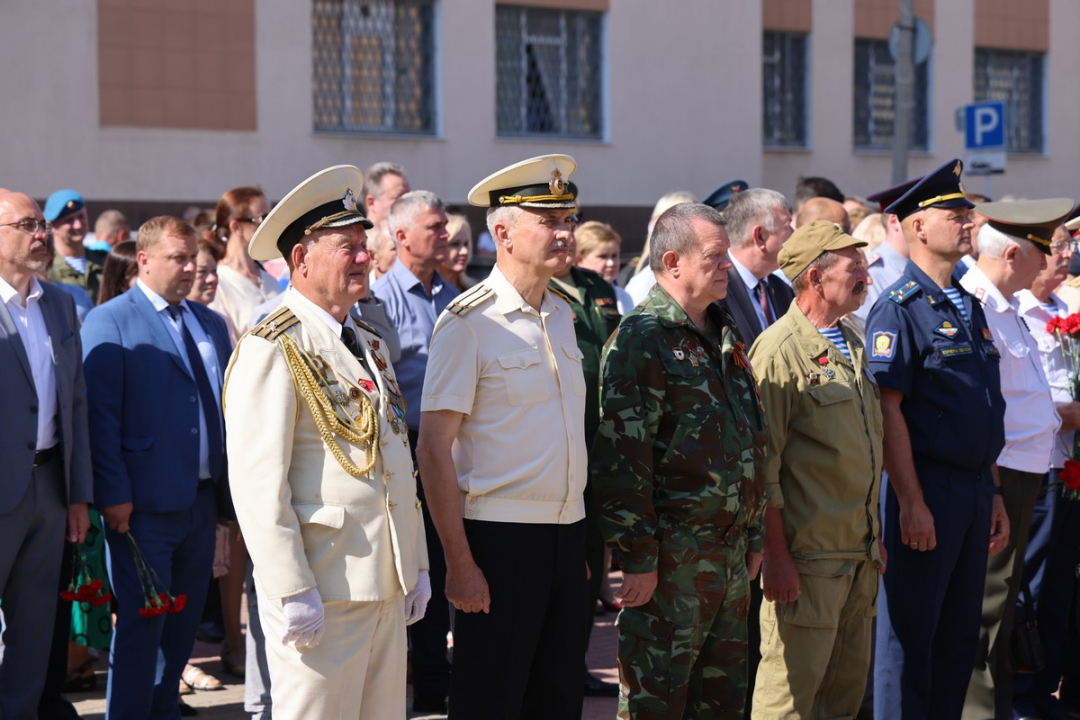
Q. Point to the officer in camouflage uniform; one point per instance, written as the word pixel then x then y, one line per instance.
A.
pixel 678 464
pixel 596 315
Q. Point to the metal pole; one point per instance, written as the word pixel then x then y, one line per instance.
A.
pixel 905 91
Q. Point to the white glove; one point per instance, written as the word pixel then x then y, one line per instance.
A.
pixel 416 601
pixel 304 623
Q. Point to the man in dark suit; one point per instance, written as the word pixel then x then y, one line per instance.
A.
pixel 758 224
pixel 154 366
pixel 44 446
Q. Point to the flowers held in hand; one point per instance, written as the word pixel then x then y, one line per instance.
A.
pixel 1067 331
pixel 83 587
pixel 158 600
pixel 1070 475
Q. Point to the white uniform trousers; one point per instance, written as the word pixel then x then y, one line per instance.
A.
pixel 357 672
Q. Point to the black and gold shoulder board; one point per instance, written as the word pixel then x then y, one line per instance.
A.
pixel 469 299
pixel 275 323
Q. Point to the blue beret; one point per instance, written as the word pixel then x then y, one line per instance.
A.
pixel 721 196
pixel 61 203
pixel 940 188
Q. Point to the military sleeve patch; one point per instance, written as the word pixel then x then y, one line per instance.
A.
pixel 946 329
pixel 883 344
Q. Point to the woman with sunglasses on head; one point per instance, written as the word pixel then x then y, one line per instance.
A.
pixel 243 284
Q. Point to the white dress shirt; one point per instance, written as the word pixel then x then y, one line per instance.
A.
pixel 638 287
pixel 30 324
pixel 206 351
pixel 1037 315
pixel 751 284
pixel 1031 421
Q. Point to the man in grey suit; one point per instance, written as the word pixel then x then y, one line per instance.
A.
pixel 45 447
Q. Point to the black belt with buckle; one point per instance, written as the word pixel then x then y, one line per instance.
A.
pixel 43 456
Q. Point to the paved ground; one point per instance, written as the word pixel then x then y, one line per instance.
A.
pixel 228 704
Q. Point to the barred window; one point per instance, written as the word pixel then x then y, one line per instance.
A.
pixel 875 98
pixel 373 63
pixel 548 74
pixel 784 96
pixel 1017 79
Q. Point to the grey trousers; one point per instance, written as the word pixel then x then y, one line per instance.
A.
pixel 256 673
pixel 31 545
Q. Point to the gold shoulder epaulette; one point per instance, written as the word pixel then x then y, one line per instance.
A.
pixel 1074 283
pixel 275 323
pixel 560 294
pixel 469 299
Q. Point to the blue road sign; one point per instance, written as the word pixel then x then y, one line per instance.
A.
pixel 984 125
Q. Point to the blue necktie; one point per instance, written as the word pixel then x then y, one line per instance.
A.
pixel 207 401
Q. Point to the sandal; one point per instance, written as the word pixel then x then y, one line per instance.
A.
pixel 81 679
pixel 236 669
pixel 199 680
pixel 185 689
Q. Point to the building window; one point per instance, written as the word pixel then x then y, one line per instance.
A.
pixel 373 65
pixel 875 98
pixel 784 96
pixel 548 73
pixel 1017 79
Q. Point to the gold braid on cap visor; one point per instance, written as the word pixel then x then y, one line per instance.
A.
pixel 942 198
pixel 517 199
pixel 331 417
pixel 1039 240
pixel 319 224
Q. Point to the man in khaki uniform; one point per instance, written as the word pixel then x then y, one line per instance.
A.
pixel 321 472
pixel 502 457
pixel 823 469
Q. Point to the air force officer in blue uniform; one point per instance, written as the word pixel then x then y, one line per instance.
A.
pixel 935 362
pixel 154 366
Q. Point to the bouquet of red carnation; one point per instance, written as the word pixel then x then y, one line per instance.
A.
pixel 1067 330
pixel 83 587
pixel 158 600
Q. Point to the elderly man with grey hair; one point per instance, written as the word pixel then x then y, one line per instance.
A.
pixel 414 295
pixel 758 223
pixel 1013 247
pixel 678 465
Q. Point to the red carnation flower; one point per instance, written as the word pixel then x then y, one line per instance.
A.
pixel 178 603
pixel 1070 474
pixel 147 612
pixel 68 596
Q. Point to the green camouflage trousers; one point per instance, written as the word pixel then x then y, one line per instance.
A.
pixel 683 654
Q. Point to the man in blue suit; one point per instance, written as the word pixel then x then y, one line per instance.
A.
pixel 154 366
pixel 44 446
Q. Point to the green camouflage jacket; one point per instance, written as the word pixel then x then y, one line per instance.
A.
pixel 90 281
pixel 596 315
pixel 681 443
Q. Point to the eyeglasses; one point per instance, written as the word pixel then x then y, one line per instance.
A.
pixel 30 225
pixel 253 220
pixel 1063 245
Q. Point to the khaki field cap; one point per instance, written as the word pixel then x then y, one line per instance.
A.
pixel 1034 220
pixel 539 182
pixel 330 198
pixel 808 243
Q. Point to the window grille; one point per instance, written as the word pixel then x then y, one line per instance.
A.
pixel 548 73
pixel 875 98
pixel 373 63
pixel 1017 79
pixel 784 97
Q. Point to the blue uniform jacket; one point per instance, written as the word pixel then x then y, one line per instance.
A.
pixel 947 370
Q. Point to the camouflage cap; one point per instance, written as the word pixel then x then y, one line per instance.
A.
pixel 808 243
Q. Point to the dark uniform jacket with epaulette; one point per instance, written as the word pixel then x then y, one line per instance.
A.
pixel 596 315
pixel 90 281
pixel 946 369
pixel 681 444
